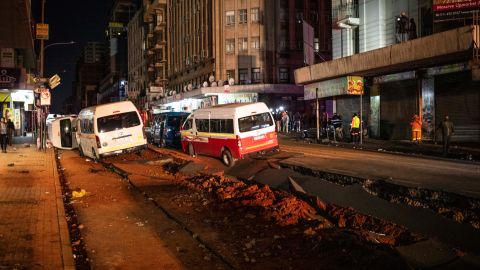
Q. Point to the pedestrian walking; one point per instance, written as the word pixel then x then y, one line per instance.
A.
pixel 416 125
pixel 355 128
pixel 3 134
pixel 10 131
pixel 297 118
pixel 337 126
pixel 285 121
pixel 447 130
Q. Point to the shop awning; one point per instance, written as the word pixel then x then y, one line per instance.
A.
pixel 437 49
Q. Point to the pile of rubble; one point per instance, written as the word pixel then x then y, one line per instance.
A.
pixel 281 207
pixel 284 209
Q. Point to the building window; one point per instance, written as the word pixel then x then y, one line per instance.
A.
pixel 242 16
pixel 230 45
pixel 283 44
pixel 316 44
pixel 284 75
pixel 254 15
pixel 242 44
pixel 256 75
pixel 230 74
pixel 256 43
pixel 243 75
pixel 230 17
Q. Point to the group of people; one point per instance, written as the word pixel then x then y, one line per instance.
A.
pixel 446 128
pixel 405 28
pixel 7 129
pixel 283 122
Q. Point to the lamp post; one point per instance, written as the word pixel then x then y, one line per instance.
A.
pixel 43 112
pixel 42 53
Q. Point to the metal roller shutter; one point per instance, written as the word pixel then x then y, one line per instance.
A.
pixel 458 96
pixel 398 103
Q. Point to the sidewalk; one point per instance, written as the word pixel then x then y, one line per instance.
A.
pixel 457 151
pixel 33 229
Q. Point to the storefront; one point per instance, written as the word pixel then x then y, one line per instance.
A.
pixel 343 96
pixel 286 97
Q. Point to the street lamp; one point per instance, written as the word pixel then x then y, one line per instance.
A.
pixel 42 53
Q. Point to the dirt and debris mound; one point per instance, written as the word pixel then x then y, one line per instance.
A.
pixel 281 207
pixel 285 209
pixel 146 154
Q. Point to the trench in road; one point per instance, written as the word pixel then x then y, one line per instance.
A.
pixel 392 202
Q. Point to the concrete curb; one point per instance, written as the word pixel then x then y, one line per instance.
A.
pixel 66 247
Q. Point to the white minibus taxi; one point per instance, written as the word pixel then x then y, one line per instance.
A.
pixel 229 131
pixel 62 132
pixel 109 129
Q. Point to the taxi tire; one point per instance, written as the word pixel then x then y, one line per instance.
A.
pixel 227 158
pixel 80 151
pixel 191 150
pixel 96 158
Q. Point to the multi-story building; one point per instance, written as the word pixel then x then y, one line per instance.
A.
pixel 155 18
pixel 89 73
pixel 394 59
pixel 17 60
pixel 93 52
pixel 137 65
pixel 239 51
pixel 113 86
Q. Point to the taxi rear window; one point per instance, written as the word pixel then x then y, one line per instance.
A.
pixel 255 122
pixel 118 121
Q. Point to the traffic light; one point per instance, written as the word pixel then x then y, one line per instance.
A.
pixel 54 81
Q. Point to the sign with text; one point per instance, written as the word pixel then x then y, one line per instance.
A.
pixel 454 9
pixel 42 31
pixel 45 97
pixel 347 85
pixel 9 78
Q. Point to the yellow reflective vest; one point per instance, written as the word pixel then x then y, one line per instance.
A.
pixel 355 122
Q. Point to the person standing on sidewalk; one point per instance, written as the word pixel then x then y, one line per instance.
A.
pixel 447 131
pixel 3 134
pixel 298 119
pixel 285 121
pixel 355 128
pixel 416 128
pixel 10 131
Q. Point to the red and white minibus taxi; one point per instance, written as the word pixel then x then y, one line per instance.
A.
pixel 229 131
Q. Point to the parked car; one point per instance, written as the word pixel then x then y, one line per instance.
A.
pixel 165 128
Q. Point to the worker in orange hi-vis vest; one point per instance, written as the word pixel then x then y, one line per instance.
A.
pixel 416 128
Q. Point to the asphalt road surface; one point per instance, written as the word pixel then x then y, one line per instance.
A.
pixel 459 177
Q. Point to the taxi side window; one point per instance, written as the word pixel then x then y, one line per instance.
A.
pixel 202 125
pixel 188 124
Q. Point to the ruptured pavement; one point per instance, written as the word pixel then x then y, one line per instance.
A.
pixel 460 177
pixel 33 230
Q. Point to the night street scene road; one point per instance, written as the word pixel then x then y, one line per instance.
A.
pixel 239 134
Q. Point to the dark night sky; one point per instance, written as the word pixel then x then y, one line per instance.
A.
pixel 80 21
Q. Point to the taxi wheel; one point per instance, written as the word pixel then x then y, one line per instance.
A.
pixel 96 157
pixel 80 151
pixel 227 158
pixel 191 150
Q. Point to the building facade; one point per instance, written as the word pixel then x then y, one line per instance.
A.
pixel 17 64
pixel 137 65
pixel 236 50
pixel 90 69
pixel 114 84
pixel 156 43
pixel 431 71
